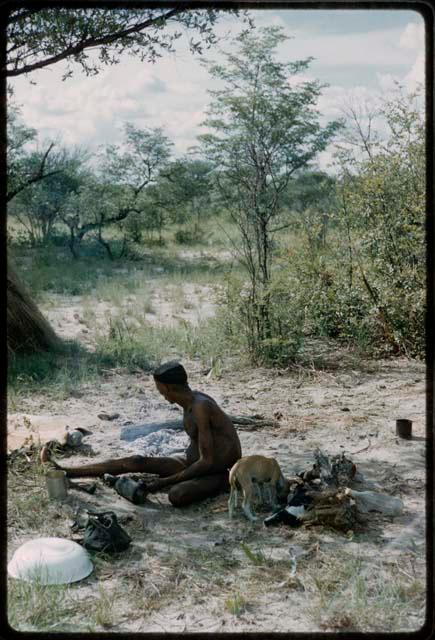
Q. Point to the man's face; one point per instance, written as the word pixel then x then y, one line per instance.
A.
pixel 163 389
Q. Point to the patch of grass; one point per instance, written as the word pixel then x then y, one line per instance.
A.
pixel 102 608
pixel 235 604
pixel 38 606
pixel 39 269
pixel 29 507
pixel 138 343
pixel 355 595
pixel 59 372
pixel 256 557
pixel 88 311
pixel 123 343
pixel 124 339
pixel 95 275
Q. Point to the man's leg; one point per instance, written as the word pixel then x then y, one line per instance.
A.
pixel 184 493
pixel 133 464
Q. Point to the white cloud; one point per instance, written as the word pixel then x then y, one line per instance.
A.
pixel 388 82
pixel 172 93
pixel 412 39
pixel 416 75
pixel 412 36
pixel 362 49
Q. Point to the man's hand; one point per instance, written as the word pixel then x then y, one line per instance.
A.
pixel 154 485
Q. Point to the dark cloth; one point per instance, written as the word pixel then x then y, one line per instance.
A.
pixel 171 373
pixel 299 497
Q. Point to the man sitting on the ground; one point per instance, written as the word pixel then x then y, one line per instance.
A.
pixel 214 446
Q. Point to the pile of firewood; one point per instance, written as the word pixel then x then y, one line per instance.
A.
pixel 324 484
pixel 328 499
pixel 333 508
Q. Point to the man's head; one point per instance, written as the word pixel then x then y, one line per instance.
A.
pixel 170 379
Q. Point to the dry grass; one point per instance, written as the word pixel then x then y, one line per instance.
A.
pixel 29 508
pixel 236 604
pixel 359 594
pixel 42 607
pixel 341 591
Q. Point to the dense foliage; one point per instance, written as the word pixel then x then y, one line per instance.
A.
pixel 339 256
pixel 264 128
pixel 40 37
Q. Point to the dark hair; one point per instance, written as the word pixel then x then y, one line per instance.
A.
pixel 171 373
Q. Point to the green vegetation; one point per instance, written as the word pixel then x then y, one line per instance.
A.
pixel 284 251
pixel 235 604
pixel 264 128
pixel 240 253
pixel 69 34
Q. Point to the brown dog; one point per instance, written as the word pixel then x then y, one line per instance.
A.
pixel 256 475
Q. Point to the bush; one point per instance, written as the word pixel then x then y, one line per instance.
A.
pixel 337 304
pixel 188 236
pixel 237 317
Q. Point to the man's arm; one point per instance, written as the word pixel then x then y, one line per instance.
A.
pixel 204 463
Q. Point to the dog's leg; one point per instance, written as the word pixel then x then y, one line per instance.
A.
pixel 232 502
pixel 267 493
pixel 273 496
pixel 246 504
pixel 257 490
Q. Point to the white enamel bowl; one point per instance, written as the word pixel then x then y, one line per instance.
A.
pixel 50 561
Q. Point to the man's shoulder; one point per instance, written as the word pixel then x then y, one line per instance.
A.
pixel 201 399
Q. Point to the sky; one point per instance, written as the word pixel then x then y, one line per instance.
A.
pixel 358 53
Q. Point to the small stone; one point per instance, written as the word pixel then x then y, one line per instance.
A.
pixel 345 409
pixel 75 393
pixel 108 416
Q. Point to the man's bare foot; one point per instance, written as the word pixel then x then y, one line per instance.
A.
pixel 45 455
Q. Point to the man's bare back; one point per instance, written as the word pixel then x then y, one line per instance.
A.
pixel 214 446
pixel 226 444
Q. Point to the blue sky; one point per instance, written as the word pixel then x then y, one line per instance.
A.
pixel 359 53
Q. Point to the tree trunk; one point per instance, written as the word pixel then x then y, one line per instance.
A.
pixel 105 244
pixel 72 244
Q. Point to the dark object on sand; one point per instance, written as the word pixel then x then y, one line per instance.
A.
pixel 83 486
pixel 331 470
pixel 283 516
pixel 108 416
pixel 103 533
pixel 132 490
pixel 298 501
pixel 404 428
pixel 321 498
pixel 300 496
